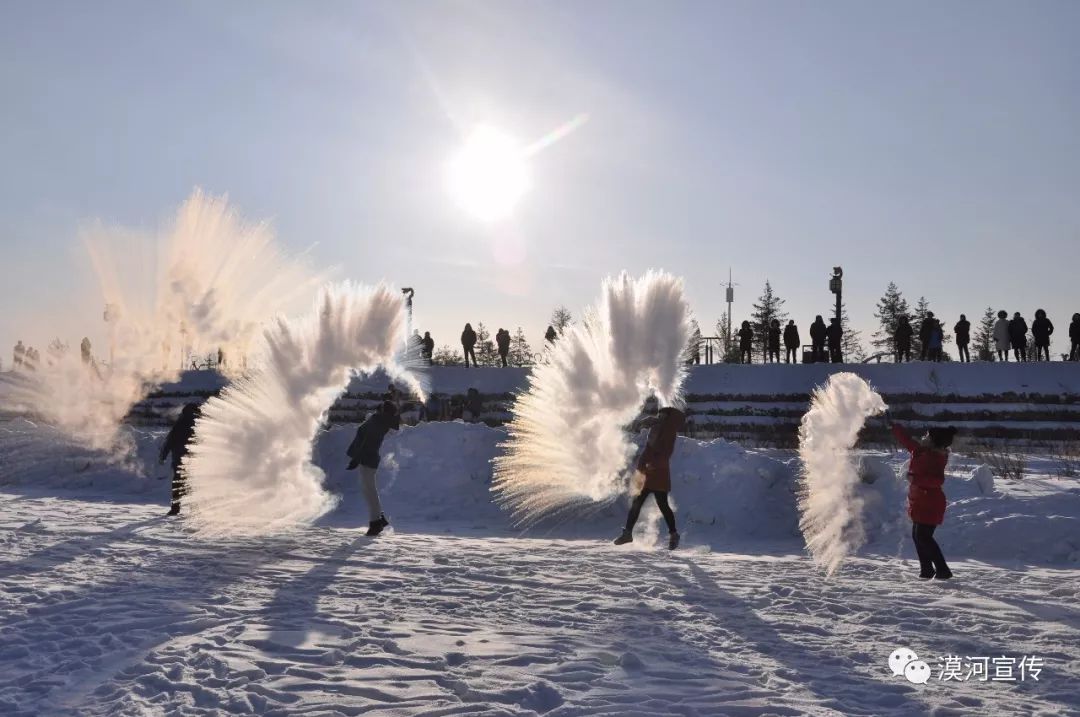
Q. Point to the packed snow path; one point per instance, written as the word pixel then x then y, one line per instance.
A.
pixel 109 608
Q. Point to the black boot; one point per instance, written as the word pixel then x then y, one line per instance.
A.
pixel 174 510
pixel 926 574
pixel 376 526
pixel 673 540
pixel 943 574
pixel 626 537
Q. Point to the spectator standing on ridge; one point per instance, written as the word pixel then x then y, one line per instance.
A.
pixel 924 335
pixel 1018 329
pixel 772 348
pixel 84 349
pixel 1041 328
pixel 963 338
pixel 550 335
pixel 1002 340
pixel 746 343
pixel 1074 336
pixel 427 347
pixel 364 452
pixel 502 340
pixel 655 465
pixel 468 344
pixel 791 342
pixel 176 443
pixel 20 354
pixel 902 339
pixel 30 361
pixel 818 334
pixel 935 341
pixel 835 335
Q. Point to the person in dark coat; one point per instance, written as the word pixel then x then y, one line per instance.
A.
pixel 176 443
pixel 84 349
pixel 791 342
pixel 468 344
pixel 550 335
pixel 835 336
pixel 818 334
pixel 772 348
pixel 1041 328
pixel 1074 336
pixel 654 464
pixel 963 338
pixel 364 452
pixel 20 354
pixel 935 341
pixel 427 347
pixel 502 341
pixel 926 499
pixel 746 343
pixel 925 328
pixel 1018 336
pixel 902 339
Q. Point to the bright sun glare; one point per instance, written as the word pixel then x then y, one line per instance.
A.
pixel 489 174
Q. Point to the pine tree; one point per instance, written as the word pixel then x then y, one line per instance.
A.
pixel 693 345
pixel 984 336
pixel 445 356
pixel 769 306
pixel 890 308
pixel 851 340
pixel 560 319
pixel 520 352
pixel 485 347
pixel 729 342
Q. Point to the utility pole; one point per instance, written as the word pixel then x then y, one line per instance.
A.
pixel 836 286
pixel 730 296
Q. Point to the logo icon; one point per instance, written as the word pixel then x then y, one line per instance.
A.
pixel 899 659
pixel 917 672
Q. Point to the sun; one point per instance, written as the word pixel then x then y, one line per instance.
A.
pixel 489 174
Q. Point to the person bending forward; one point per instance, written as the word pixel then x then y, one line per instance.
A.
pixel 655 465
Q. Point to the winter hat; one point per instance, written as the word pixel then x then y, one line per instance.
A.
pixel 942 437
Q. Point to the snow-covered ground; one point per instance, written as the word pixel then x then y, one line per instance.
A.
pixel 110 608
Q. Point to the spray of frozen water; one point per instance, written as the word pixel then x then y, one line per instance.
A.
pixel 209 281
pixel 250 467
pixel 567 443
pixel 830 508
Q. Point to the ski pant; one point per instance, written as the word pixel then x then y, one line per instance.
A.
pixel 371 492
pixel 962 349
pixel 930 556
pixel 793 354
pixel 661 502
pixel 179 485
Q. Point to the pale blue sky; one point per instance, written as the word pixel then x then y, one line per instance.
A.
pixel 932 144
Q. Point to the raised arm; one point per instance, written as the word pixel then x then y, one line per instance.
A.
pixel 904 437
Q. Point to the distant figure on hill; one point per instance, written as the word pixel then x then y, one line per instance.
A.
pixel 550 335
pixel 746 343
pixel 772 349
pixel 364 452
pixel 654 464
pixel 1074 336
pixel 963 338
pixel 427 347
pixel 502 340
pixel 20 355
pixel 791 342
pixel 934 341
pixel 221 358
pixel 30 360
pixel 84 349
pixel 1041 328
pixel 468 344
pixel 176 443
pixel 902 339
pixel 1002 336
pixel 1018 329
pixel 818 334
pixel 835 336
pixel 924 334
pixel 473 407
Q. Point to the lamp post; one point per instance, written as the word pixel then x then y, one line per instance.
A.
pixel 836 286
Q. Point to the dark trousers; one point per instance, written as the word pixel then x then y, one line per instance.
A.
pixel 835 355
pixel 818 350
pixel 903 353
pixel 179 485
pixel 1074 355
pixel 746 356
pixel 793 354
pixel 962 349
pixel 1041 351
pixel 773 356
pixel 661 501
pixel 469 353
pixel 1020 352
pixel 931 559
pixel 502 357
pixel 1003 356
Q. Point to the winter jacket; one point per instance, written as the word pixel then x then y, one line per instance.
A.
pixel 502 340
pixel 963 332
pixel 774 338
pixel 468 338
pixel 369 437
pixel 926 476
pixel 925 328
pixel 428 345
pixel 791 336
pixel 818 332
pixel 176 442
pixel 1018 333
pixel 655 459
pixel 1041 328
pixel 1074 331
pixel 746 338
pixel 903 335
pixel 835 334
pixel 1002 341
pixel 936 337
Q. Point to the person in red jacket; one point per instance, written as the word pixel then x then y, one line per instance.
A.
pixel 926 499
pixel 655 464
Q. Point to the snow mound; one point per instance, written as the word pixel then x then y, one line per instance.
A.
pixel 983 477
